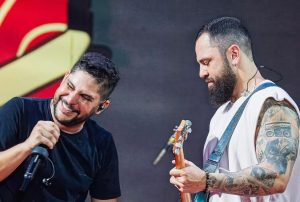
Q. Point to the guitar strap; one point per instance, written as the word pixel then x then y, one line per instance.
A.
pixel 212 163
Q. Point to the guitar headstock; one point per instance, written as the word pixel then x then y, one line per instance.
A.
pixel 181 134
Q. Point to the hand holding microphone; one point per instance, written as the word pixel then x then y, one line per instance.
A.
pixel 44 134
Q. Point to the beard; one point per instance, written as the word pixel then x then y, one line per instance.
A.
pixel 69 122
pixel 223 87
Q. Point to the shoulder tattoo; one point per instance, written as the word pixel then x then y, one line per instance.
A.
pixel 277 134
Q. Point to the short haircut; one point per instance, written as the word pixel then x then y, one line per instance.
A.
pixel 102 69
pixel 225 31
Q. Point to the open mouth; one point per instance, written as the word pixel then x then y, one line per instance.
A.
pixel 67 109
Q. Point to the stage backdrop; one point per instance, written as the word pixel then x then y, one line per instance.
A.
pixel 152 42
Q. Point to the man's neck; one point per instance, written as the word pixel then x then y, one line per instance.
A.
pixel 248 79
pixel 70 129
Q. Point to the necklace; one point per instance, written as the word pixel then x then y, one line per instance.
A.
pixel 246 91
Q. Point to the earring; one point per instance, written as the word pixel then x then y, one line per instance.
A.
pixel 101 107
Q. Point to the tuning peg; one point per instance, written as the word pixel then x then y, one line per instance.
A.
pixel 178 145
pixel 175 128
pixel 188 122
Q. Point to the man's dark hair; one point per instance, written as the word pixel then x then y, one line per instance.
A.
pixel 102 69
pixel 226 31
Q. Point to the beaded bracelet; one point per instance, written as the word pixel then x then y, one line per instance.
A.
pixel 206 183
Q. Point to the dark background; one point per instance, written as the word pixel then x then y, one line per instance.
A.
pixel 152 43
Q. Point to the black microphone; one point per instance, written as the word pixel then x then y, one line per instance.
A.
pixel 39 153
pixel 164 150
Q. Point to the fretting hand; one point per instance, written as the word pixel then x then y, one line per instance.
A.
pixel 190 179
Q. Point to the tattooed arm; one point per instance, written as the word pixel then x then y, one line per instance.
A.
pixel 277 140
pixel 276 149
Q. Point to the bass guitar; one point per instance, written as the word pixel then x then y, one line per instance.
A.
pixel 180 135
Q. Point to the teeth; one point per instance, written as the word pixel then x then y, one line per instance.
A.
pixel 66 107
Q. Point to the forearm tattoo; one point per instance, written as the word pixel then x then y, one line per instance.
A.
pixel 250 182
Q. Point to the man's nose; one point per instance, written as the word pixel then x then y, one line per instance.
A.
pixel 72 99
pixel 203 73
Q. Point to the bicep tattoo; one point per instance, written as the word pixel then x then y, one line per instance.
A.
pixel 278 135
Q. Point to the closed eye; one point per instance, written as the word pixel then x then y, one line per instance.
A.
pixel 205 62
pixel 87 98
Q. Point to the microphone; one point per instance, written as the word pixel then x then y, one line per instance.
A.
pixel 164 150
pixel 39 153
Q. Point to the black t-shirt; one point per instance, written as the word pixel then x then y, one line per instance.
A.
pixel 86 161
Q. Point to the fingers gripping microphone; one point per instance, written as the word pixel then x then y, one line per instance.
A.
pixel 164 150
pixel 39 153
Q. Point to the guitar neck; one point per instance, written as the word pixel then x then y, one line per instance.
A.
pixel 179 160
pixel 180 136
pixel 185 197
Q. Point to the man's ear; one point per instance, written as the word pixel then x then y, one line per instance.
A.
pixel 234 54
pixel 104 105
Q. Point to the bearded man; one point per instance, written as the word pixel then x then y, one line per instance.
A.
pixel 260 161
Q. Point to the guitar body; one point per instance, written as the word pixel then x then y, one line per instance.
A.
pixel 180 136
pixel 201 197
